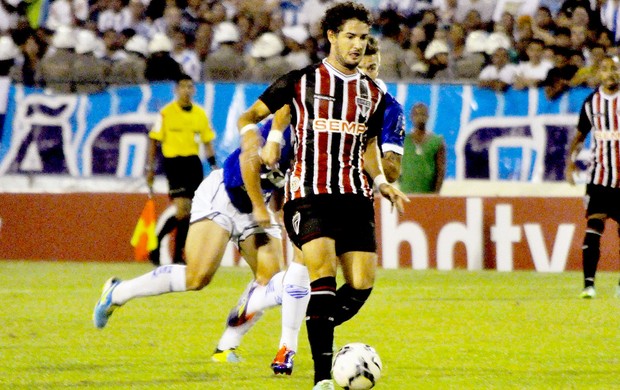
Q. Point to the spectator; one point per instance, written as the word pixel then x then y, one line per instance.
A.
pixel 295 38
pixel 202 43
pixel 473 22
pixel 414 55
pixel 472 62
pixel 290 11
pixel 392 53
pixel 436 54
pixel 500 74
pixel 578 37
pixel 610 18
pixel 28 61
pixel 531 73
pixel 8 54
pixel 191 17
pixel 515 7
pixel 558 78
pixel 138 20
pixel 563 37
pixel 311 13
pixel 89 73
pixel 131 69
pixel 485 9
pixel 59 14
pixel 424 157
pixel 266 63
pixel 9 14
pixel 226 63
pixel 588 76
pixel 168 23
pixel 55 70
pixel 185 56
pixel 160 66
pixel 116 17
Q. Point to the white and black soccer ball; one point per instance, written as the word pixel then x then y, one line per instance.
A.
pixel 356 366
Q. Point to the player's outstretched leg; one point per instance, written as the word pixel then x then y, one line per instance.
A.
pixel 295 297
pixel 163 279
pixel 254 300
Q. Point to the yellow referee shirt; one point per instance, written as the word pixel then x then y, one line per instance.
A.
pixel 177 130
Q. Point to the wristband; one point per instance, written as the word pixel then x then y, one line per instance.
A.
pixel 212 162
pixel 275 136
pixel 380 179
pixel 248 127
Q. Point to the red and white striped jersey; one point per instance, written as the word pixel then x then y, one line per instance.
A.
pixel 333 115
pixel 600 114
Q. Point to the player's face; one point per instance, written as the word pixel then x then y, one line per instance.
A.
pixel 349 44
pixel 370 65
pixel 185 91
pixel 608 73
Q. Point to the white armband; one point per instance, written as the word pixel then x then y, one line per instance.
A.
pixel 275 136
pixel 380 179
pixel 248 127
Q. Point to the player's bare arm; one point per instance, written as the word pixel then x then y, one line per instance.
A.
pixel 372 165
pixel 440 163
pixel 250 160
pixel 575 146
pixel 270 153
pixel 391 163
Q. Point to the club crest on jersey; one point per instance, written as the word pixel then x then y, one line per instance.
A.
pixel 363 105
pixel 295 183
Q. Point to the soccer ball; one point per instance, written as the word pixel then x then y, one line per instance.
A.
pixel 356 366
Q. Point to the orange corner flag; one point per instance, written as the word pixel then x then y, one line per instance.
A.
pixel 144 239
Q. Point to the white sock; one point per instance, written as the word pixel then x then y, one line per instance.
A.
pixel 233 334
pixel 266 297
pixel 163 279
pixel 295 298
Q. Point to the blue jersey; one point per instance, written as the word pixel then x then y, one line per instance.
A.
pixel 271 179
pixel 393 132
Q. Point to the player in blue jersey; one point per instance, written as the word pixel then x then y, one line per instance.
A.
pixel 392 136
pixel 221 212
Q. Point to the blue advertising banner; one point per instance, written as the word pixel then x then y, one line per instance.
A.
pixel 517 135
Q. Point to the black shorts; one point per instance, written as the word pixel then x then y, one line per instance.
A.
pixel 348 219
pixel 603 200
pixel 184 175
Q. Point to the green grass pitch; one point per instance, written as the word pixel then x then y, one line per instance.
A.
pixel 433 330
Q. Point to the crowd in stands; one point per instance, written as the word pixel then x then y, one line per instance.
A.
pixel 85 45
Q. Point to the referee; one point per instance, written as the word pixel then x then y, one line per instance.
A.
pixel 177 129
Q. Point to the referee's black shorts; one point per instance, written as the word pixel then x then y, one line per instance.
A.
pixel 349 219
pixel 184 175
pixel 603 200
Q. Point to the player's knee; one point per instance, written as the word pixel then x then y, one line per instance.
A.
pixel 184 206
pixel 596 225
pixel 362 281
pixel 197 280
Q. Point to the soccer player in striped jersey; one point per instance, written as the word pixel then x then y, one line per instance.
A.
pixel 337 113
pixel 600 115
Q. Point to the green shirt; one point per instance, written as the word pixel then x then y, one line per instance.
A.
pixel 419 168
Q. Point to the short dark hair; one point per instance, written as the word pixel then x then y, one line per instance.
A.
pixel 372 47
pixel 338 14
pixel 184 76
